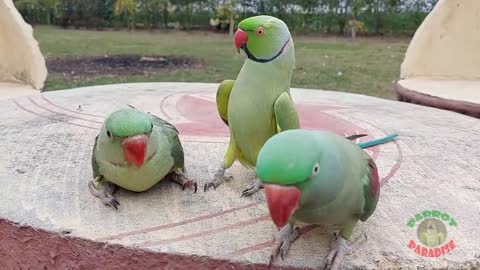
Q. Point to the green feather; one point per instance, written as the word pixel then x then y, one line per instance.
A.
pixel 128 122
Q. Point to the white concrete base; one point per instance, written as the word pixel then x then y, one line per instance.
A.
pixel 45 164
pixel 459 90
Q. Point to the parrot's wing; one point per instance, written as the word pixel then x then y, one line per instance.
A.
pixel 223 95
pixel 95 170
pixel 371 190
pixel 173 140
pixel 159 122
pixel 285 113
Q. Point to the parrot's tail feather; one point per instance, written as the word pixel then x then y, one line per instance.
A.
pixel 371 143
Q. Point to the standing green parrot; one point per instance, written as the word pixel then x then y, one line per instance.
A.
pixel 135 150
pixel 257 105
pixel 321 178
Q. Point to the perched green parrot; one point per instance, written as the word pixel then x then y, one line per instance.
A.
pixel 135 150
pixel 318 177
pixel 257 104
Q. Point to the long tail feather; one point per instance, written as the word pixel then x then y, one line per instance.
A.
pixel 371 143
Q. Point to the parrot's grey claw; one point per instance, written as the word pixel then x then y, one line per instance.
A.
pixel 195 186
pixel 109 200
pixel 184 181
pixel 112 202
pixel 105 193
pixel 270 262
pixel 217 181
pixel 357 243
pixel 339 249
pixel 283 239
pixel 209 185
pixel 253 188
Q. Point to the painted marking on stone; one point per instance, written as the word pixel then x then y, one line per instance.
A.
pixel 66 109
pixel 396 166
pixel 59 113
pixel 207 232
pixel 51 118
pixel 179 223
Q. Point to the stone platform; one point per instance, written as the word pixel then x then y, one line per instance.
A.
pixel 49 219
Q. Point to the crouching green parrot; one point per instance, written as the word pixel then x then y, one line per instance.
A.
pixel 320 178
pixel 257 105
pixel 135 150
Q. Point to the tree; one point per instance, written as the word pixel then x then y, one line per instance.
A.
pixel 227 10
pixel 127 9
pixel 355 25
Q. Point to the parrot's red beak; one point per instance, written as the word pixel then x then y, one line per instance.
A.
pixel 241 38
pixel 135 149
pixel 282 202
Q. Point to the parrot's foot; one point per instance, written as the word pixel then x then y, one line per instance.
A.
pixel 253 188
pixel 104 191
pixel 184 181
pixel 339 249
pixel 218 179
pixel 283 239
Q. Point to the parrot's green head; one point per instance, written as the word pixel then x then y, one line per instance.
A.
pixel 293 168
pixel 263 38
pixel 129 129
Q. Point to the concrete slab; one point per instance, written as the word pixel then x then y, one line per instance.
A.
pixel 46 146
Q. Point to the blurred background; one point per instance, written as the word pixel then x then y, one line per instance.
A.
pixel 343 45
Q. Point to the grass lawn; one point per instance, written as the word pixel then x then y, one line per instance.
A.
pixel 369 66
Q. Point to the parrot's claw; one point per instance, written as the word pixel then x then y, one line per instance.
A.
pixel 253 188
pixel 217 180
pixel 283 239
pixel 105 193
pixel 111 201
pixel 339 249
pixel 184 181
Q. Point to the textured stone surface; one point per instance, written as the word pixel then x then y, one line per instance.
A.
pixel 21 60
pixel 11 90
pixel 45 166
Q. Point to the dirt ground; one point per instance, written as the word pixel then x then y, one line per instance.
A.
pixel 92 66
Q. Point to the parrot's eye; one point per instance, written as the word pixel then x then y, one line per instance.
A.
pixel 260 31
pixel 316 169
pixel 109 134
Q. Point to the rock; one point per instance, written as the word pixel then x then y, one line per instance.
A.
pixel 22 63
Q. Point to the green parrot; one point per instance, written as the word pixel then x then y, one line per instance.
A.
pixel 135 150
pixel 318 177
pixel 257 105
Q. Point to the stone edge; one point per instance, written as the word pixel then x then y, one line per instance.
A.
pixel 31 248
pixel 411 96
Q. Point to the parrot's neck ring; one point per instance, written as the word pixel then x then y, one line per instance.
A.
pixel 262 60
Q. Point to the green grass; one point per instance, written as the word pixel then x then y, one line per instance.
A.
pixel 368 66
